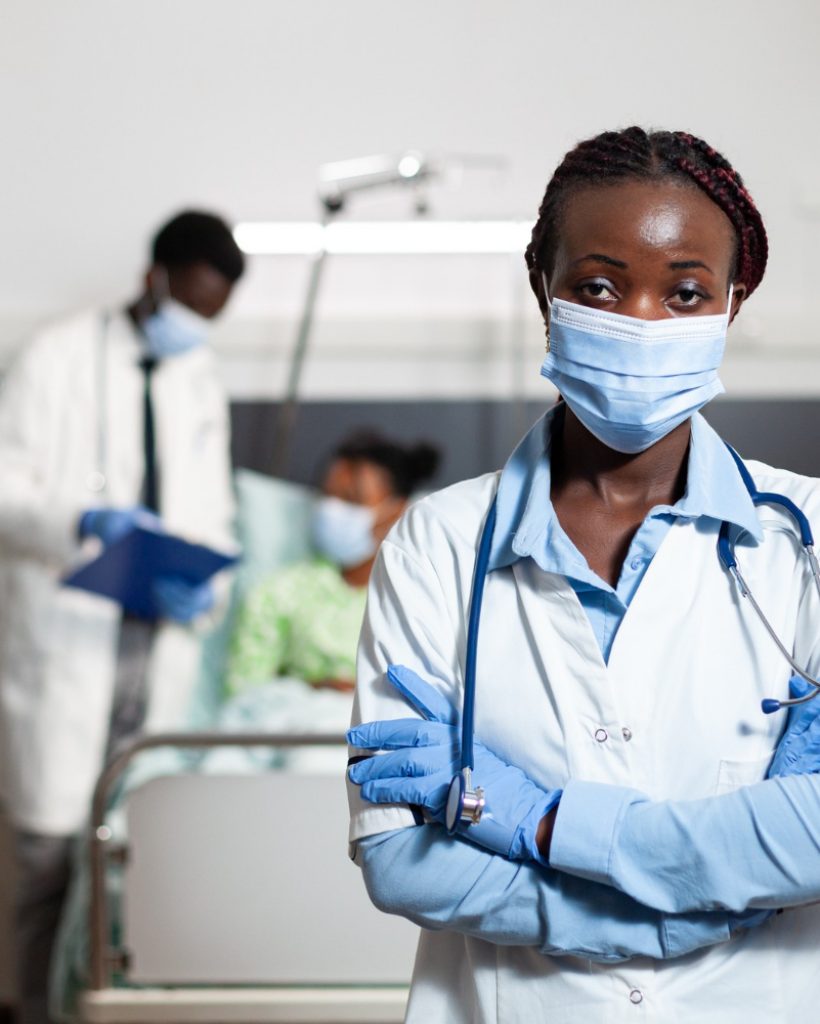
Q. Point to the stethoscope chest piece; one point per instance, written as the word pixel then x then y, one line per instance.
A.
pixel 95 481
pixel 465 805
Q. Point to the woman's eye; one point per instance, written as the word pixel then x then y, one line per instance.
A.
pixel 596 290
pixel 688 296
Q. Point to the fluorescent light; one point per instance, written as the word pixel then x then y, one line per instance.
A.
pixel 289 238
pixel 295 238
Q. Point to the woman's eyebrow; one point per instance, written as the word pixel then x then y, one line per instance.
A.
pixel 689 265
pixel 598 257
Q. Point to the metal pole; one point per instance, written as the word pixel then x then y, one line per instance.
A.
pixel 100 834
pixel 286 419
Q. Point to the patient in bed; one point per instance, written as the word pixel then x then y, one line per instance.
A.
pixel 293 651
pixel 292 660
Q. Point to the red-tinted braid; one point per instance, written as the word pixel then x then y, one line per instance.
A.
pixel 634 153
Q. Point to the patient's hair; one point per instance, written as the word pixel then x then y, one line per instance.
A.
pixel 196 237
pixel 409 466
pixel 633 153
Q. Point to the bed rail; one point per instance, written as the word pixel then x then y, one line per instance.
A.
pixel 102 959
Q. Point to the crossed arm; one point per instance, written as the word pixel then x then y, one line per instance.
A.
pixel 626 877
pixel 438 882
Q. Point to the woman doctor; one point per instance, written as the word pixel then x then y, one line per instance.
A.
pixel 631 859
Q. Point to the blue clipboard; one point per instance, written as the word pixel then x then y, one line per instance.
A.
pixel 127 569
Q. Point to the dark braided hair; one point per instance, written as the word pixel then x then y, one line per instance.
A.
pixel 611 157
pixel 408 466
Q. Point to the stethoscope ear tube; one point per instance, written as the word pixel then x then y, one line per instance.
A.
pixel 726 553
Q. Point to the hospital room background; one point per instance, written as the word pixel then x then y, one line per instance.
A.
pixel 115 116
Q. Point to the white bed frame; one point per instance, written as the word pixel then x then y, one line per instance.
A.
pixel 239 902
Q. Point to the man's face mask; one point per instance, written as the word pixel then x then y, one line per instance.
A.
pixel 173 328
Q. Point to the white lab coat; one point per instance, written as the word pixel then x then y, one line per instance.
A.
pixel 687 671
pixel 57 645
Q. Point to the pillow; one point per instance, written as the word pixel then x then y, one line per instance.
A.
pixel 273 528
pixel 273 523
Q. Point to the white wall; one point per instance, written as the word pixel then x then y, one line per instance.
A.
pixel 116 114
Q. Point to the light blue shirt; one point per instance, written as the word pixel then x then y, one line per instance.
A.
pixel 527 526
pixel 470 890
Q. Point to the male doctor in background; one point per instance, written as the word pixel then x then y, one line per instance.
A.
pixel 107 419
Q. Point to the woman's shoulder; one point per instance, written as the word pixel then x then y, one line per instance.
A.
pixel 803 490
pixel 450 518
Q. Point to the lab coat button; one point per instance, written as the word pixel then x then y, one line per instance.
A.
pixel 636 996
pixel 626 733
pixel 601 735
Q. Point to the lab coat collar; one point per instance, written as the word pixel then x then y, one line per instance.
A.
pixel 527 526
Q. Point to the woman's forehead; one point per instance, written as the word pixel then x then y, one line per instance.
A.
pixel 356 478
pixel 665 216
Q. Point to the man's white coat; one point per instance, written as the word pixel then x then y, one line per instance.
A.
pixel 74 396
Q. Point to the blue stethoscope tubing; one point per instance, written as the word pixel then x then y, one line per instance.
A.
pixel 465 804
pixel 476 601
pixel 461 791
pixel 726 553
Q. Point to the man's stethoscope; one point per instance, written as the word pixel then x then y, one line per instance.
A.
pixel 466 804
pixel 96 479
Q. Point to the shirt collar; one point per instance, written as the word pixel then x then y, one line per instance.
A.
pixel 526 524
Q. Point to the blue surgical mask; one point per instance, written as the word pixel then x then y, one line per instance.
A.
pixel 343 531
pixel 630 381
pixel 173 329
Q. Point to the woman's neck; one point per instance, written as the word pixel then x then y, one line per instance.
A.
pixel 358 575
pixel 581 463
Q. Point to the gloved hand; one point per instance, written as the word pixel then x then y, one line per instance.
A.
pixel 180 600
pixel 111 524
pixel 798 752
pixel 423 760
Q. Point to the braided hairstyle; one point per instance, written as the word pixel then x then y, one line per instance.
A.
pixel 408 466
pixel 632 153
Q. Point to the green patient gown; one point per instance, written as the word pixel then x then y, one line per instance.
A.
pixel 302 621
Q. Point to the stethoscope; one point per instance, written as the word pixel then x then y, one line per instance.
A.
pixel 465 804
pixel 96 479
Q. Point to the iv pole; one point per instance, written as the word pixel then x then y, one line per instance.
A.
pixel 286 418
pixel 337 181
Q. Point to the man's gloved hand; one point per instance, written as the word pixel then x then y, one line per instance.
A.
pixel 798 752
pixel 111 524
pixel 180 600
pixel 423 758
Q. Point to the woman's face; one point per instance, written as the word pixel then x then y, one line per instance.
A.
pixel 364 483
pixel 644 249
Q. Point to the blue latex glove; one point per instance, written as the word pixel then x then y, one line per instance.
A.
pixel 111 524
pixel 180 600
pixel 798 752
pixel 423 758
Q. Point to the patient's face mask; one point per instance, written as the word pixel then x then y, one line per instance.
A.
pixel 173 328
pixel 631 381
pixel 343 531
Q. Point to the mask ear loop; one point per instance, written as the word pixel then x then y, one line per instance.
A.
pixel 729 304
pixel 549 308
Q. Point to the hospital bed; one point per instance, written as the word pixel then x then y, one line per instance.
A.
pixel 232 898
pixel 238 902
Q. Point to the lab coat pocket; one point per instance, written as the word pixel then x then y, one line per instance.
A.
pixel 734 774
